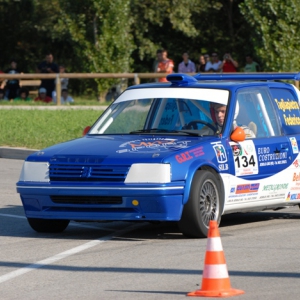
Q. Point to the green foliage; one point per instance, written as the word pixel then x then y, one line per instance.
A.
pixel 99 31
pixel 38 129
pixel 275 27
pixel 123 35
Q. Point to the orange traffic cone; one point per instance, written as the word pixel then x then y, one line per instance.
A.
pixel 215 278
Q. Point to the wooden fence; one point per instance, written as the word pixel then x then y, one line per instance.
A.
pixel 27 78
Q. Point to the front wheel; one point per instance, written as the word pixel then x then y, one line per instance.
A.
pixel 203 205
pixel 46 225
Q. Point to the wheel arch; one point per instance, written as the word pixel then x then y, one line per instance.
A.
pixel 207 167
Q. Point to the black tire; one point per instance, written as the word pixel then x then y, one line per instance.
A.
pixel 46 225
pixel 204 204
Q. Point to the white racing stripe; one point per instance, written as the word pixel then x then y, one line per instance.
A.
pixel 67 253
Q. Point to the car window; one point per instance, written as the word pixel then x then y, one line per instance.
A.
pixel 175 114
pixel 257 112
pixel 157 115
pixel 288 109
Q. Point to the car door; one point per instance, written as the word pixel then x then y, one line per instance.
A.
pixel 261 163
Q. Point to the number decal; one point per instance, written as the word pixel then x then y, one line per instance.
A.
pixel 245 158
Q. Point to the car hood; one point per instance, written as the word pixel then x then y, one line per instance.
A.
pixel 123 149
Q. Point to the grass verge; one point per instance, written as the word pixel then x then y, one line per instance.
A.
pixel 37 129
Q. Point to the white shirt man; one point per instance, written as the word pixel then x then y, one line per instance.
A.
pixel 215 65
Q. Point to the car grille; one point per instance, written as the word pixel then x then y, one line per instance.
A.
pixel 86 200
pixel 85 169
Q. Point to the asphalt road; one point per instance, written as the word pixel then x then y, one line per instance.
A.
pixel 120 260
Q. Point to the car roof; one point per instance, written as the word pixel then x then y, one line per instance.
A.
pixel 222 81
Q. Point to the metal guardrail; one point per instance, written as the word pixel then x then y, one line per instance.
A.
pixel 135 76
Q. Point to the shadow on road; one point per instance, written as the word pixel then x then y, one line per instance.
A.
pixel 19 227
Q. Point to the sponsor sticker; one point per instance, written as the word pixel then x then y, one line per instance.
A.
pixel 268 157
pixel 294 145
pixel 220 152
pixel 188 155
pixel 247 188
pixel 153 145
pixel 291 197
pixel 274 187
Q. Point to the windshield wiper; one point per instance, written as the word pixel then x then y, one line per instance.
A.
pixel 150 130
pixel 165 131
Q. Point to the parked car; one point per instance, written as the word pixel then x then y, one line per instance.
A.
pixel 159 153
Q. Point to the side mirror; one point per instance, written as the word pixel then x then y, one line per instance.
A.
pixel 238 135
pixel 86 130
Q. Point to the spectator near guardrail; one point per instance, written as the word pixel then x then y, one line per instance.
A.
pixel 48 66
pixel 63 82
pixel 13 85
pixel 43 96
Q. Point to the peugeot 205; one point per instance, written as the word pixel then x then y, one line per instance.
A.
pixel 190 150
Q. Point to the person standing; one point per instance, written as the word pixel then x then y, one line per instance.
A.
pixel 186 66
pixel 215 65
pixel 12 85
pixel 166 65
pixel 251 66
pixel 229 64
pixel 202 64
pixel 49 67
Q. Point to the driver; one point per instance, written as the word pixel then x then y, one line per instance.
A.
pixel 220 113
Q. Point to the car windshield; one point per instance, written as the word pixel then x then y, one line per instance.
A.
pixel 189 113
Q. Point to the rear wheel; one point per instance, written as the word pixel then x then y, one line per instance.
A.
pixel 45 225
pixel 203 205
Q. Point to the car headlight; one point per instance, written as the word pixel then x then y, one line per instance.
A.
pixel 35 171
pixel 149 173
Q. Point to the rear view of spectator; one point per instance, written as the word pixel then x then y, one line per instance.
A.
pixel 215 65
pixel 166 65
pixel 186 66
pixel 23 95
pixel 229 64
pixel 12 85
pixel 43 96
pixel 251 66
pixel 49 67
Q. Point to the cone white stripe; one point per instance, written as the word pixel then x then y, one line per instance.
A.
pixel 214 244
pixel 215 271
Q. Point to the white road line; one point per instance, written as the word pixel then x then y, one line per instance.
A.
pixel 71 224
pixel 12 216
pixel 65 254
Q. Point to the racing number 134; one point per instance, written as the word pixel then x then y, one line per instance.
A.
pixel 244 161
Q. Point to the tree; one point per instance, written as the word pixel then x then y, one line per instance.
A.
pixel 99 31
pixel 275 32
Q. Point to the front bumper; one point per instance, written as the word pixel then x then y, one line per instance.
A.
pixel 153 202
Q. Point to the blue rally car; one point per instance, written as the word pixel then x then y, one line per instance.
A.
pixel 190 150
